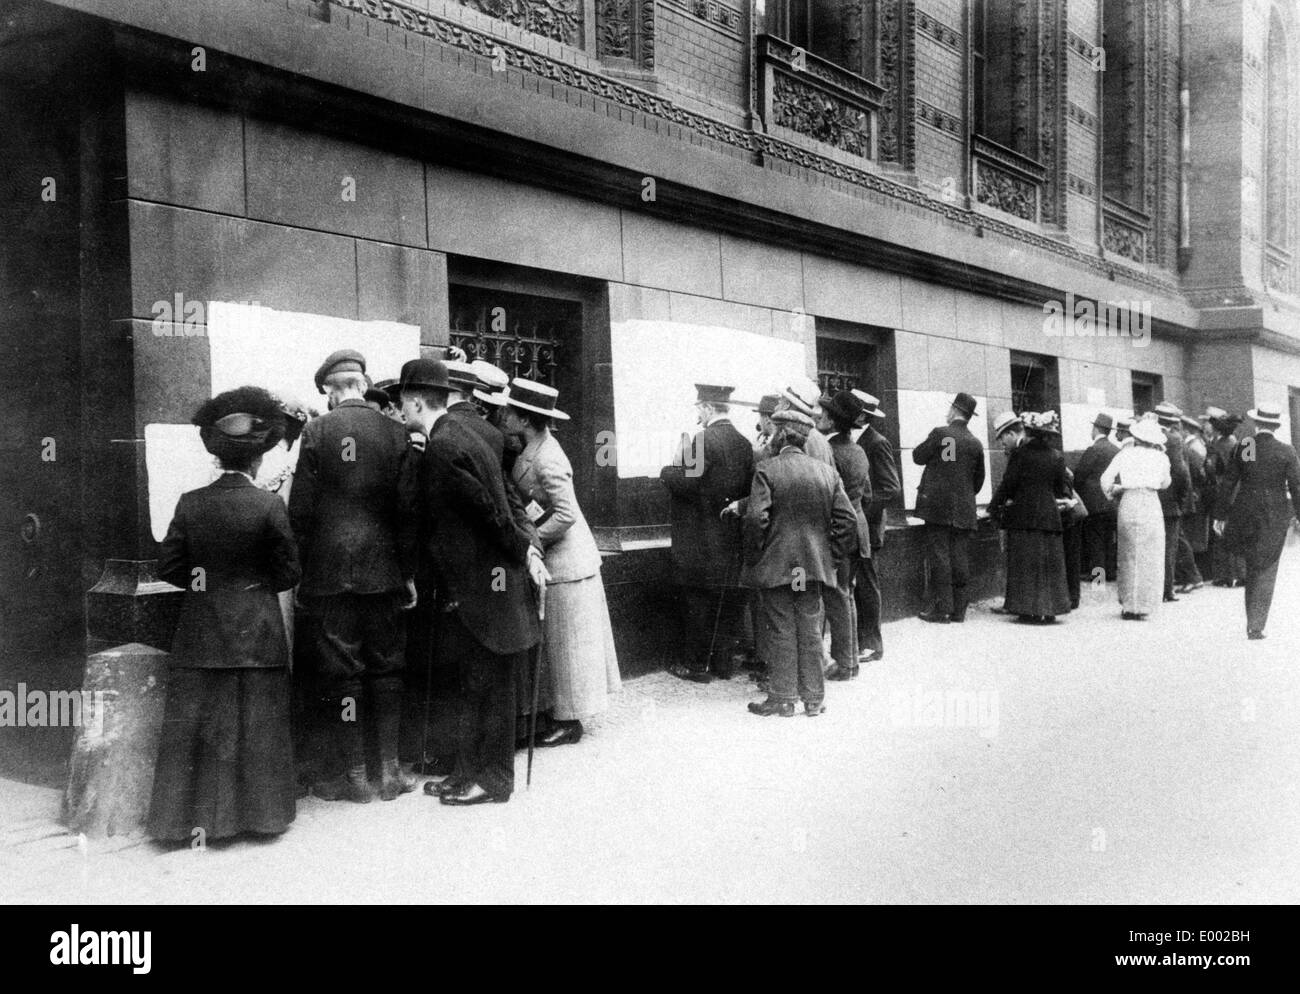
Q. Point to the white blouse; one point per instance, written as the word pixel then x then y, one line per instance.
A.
pixel 1138 467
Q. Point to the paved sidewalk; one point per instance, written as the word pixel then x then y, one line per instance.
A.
pixel 1093 761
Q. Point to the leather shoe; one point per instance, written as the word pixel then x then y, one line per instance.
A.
pixel 998 610
pixel 934 617
pixel 473 794
pixel 686 673
pixel 838 672
pixel 1170 599
pixel 771 706
pixel 450 785
pixel 1255 636
pixel 813 710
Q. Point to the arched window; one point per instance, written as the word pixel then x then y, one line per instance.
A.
pixel 1277 128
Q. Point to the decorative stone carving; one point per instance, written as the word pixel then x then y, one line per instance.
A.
pixel 1080 116
pixel 1006 192
pixel 895 21
pixel 932 27
pixel 559 20
pixel 936 118
pixel 1052 107
pixel 1122 239
pixel 1080 185
pixel 625 31
pixel 813 112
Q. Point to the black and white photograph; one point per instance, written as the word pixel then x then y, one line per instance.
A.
pixel 652 452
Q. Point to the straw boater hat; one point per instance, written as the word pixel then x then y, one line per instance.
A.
pixel 1005 422
pixel 1146 430
pixel 803 395
pixel 1191 424
pixel 870 404
pixel 538 398
pixel 239 424
pixel 1214 413
pixel 1168 414
pixel 493 381
pixel 342 361
pixel 1268 415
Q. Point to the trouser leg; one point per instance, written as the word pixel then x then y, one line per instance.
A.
pixel 807 606
pixel 867 595
pixel 842 620
pixel 781 641
pixel 1261 576
pixel 938 542
pixel 959 554
pixel 1072 538
pixel 693 607
pixel 1171 554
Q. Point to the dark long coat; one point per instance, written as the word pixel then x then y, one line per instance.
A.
pixel 954 472
pixel 1257 496
pixel 798 518
pixel 1025 499
pixel 353 503
pixel 1087 476
pixel 476 547
pixel 706 549
pixel 855 473
pixel 1173 499
pixel 885 484
pixel 239 536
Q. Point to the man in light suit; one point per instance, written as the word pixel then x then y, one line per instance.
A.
pixel 1099 526
pixel 712 470
pixel 799 527
pixel 839 414
pixel 353 512
pixel 954 473
pixel 486 569
pixel 1258 496
pixel 885 487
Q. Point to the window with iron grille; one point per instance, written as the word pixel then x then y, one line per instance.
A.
pixel 521 334
pixel 1034 384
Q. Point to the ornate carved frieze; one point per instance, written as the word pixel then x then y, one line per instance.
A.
pixel 936 118
pixel 1052 107
pixel 1123 239
pixel 559 20
pixel 1080 116
pixel 1079 45
pixel 811 111
pixel 932 27
pixel 723 16
pixel 1006 191
pixel 1080 185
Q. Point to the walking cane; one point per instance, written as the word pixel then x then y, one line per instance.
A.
pixel 537 673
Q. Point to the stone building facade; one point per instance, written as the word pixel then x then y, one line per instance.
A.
pixel 909 190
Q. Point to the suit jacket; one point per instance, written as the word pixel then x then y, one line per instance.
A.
pixel 1025 500
pixel 1087 476
pixel 885 484
pixel 352 506
pixel 239 535
pixel 798 518
pixel 706 549
pixel 1197 456
pixel 1173 498
pixel 542 475
pixel 954 472
pixel 1219 455
pixel 1257 496
pixel 855 473
pixel 477 551
pixel 466 414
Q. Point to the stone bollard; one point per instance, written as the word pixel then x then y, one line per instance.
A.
pixel 111 769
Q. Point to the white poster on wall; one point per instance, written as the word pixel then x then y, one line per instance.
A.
pixel 278 350
pixel 656 365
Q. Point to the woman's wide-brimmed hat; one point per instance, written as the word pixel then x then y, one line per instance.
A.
pixel 1041 422
pixel 1149 432
pixel 240 424
pixel 528 395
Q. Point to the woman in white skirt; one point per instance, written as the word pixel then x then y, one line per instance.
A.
pixel 583 667
pixel 1133 478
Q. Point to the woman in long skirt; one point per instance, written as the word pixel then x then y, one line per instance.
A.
pixel 225 757
pixel 1025 504
pixel 582 663
pixel 1134 477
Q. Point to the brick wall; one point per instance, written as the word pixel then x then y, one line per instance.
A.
pixel 701 63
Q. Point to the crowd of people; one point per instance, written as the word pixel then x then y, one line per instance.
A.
pixel 418 552
pixel 410 587
pixel 793 525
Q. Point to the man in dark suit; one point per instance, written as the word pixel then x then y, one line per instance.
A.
pixel 712 470
pixel 353 513
pixel 799 530
pixel 1258 495
pixel 839 414
pixel 885 487
pixel 486 568
pixel 1173 498
pixel 954 473
pixel 1099 526
pixel 1229 569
